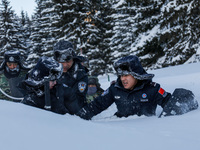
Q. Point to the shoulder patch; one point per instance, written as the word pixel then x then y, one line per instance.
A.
pixel 82 86
pixel 105 92
pixel 162 92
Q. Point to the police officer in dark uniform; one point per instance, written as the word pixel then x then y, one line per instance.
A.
pixel 134 93
pixel 42 89
pixel 74 76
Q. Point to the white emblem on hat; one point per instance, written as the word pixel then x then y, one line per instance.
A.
pixel 11 59
pixel 35 73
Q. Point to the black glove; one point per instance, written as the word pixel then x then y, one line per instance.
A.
pixel 84 114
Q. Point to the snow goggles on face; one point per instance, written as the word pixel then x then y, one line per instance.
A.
pixel 64 55
pixel 122 69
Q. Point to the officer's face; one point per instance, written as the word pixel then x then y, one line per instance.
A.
pixel 67 65
pixel 11 65
pixel 52 84
pixel 128 81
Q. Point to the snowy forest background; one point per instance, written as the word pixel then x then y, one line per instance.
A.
pixel 161 32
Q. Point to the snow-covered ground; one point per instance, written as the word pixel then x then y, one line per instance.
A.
pixel 27 128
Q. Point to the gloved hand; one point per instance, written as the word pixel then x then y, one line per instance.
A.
pixel 84 114
pixel 181 102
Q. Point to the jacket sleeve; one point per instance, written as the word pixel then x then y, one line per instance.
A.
pixel 97 106
pixel 161 96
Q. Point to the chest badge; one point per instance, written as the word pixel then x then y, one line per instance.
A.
pixel 144 95
pixel 144 98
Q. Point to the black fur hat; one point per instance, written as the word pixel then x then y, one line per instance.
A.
pixel 92 80
pixel 46 69
pixel 131 65
pixel 13 56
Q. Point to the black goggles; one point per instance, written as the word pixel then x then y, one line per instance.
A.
pixel 62 57
pixel 122 69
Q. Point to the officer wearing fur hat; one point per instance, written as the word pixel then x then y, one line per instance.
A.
pixel 12 72
pixel 134 93
pixel 42 89
pixel 74 76
pixel 94 89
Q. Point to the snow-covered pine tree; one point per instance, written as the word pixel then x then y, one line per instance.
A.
pixel 47 28
pixel 124 26
pixel 180 32
pixel 42 36
pixel 99 52
pixel 146 43
pixel 10 37
pixel 70 20
pixel 36 36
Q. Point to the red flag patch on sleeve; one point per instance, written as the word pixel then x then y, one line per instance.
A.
pixel 161 91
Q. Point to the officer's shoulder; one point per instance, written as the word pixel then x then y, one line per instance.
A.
pixel 153 84
pixel 81 68
pixel 113 82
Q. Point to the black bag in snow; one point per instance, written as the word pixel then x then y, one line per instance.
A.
pixel 181 102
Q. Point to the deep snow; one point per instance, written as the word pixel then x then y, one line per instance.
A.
pixel 27 128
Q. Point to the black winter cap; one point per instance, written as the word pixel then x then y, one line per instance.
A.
pixel 46 69
pixel 92 80
pixel 12 56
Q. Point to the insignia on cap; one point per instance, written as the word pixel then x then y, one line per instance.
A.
pixel 11 59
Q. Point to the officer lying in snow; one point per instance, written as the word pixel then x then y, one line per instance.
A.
pixel 134 93
pixel 41 87
pixel 12 73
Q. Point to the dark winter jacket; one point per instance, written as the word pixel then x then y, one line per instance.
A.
pixel 142 100
pixel 75 81
pixel 56 98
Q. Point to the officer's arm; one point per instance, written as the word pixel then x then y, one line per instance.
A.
pixel 97 106
pixel 161 96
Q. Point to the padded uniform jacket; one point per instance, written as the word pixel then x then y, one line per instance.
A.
pixel 75 82
pixel 142 100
